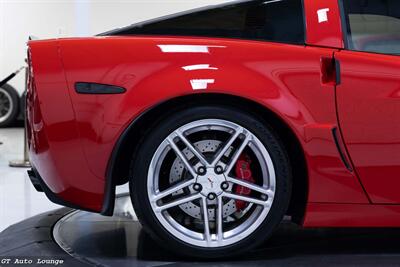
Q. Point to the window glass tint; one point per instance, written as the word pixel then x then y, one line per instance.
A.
pixel 373 25
pixel 273 20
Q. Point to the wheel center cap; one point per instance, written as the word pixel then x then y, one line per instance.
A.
pixel 211 182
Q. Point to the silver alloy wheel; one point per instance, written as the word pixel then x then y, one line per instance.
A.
pixel 6 105
pixel 214 192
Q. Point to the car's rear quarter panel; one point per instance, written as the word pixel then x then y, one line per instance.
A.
pixel 283 78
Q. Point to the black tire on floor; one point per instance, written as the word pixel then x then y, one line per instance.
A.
pixel 152 140
pixel 8 92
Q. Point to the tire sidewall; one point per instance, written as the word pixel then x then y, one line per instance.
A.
pixel 148 147
pixel 15 99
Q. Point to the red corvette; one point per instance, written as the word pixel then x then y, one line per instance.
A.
pixel 225 119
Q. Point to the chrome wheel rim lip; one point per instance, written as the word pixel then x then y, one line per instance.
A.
pixel 234 235
pixel 9 109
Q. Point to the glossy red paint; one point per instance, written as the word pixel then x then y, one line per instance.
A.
pixel 55 144
pixel 72 136
pixel 352 215
pixel 323 23
pixel 273 85
pixel 369 108
pixel 287 87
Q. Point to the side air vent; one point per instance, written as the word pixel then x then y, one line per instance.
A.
pixel 96 88
pixel 341 149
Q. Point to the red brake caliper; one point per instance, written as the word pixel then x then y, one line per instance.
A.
pixel 243 172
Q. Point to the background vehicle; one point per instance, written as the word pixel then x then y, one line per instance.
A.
pixel 12 106
pixel 224 120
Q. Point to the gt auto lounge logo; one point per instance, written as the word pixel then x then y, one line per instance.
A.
pixel 323 15
pixel 27 261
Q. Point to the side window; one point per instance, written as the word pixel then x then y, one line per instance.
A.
pixel 373 25
pixel 272 20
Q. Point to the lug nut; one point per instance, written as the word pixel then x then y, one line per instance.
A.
pixel 197 187
pixel 212 196
pixel 224 186
pixel 219 170
pixel 201 171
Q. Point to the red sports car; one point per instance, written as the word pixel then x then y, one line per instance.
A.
pixel 225 119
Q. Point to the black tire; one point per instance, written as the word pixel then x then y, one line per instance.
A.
pixel 150 143
pixel 8 92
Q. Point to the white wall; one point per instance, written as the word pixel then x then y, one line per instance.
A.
pixel 66 18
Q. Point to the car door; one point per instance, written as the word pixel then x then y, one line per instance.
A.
pixel 368 97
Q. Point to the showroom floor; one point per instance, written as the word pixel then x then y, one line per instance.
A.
pixel 85 239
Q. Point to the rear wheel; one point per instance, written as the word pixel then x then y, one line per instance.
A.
pixel 9 105
pixel 210 182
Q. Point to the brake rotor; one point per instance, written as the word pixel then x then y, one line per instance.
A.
pixel 178 173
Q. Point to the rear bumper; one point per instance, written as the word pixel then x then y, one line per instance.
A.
pixel 41 186
pixel 36 180
pixel 55 147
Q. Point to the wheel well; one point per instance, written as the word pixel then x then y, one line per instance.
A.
pixel 127 147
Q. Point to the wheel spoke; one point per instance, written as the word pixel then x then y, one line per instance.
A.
pixel 264 203
pixel 227 146
pixel 182 157
pixel 174 189
pixel 193 149
pixel 207 235
pixel 252 186
pixel 220 233
pixel 178 202
pixel 237 154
